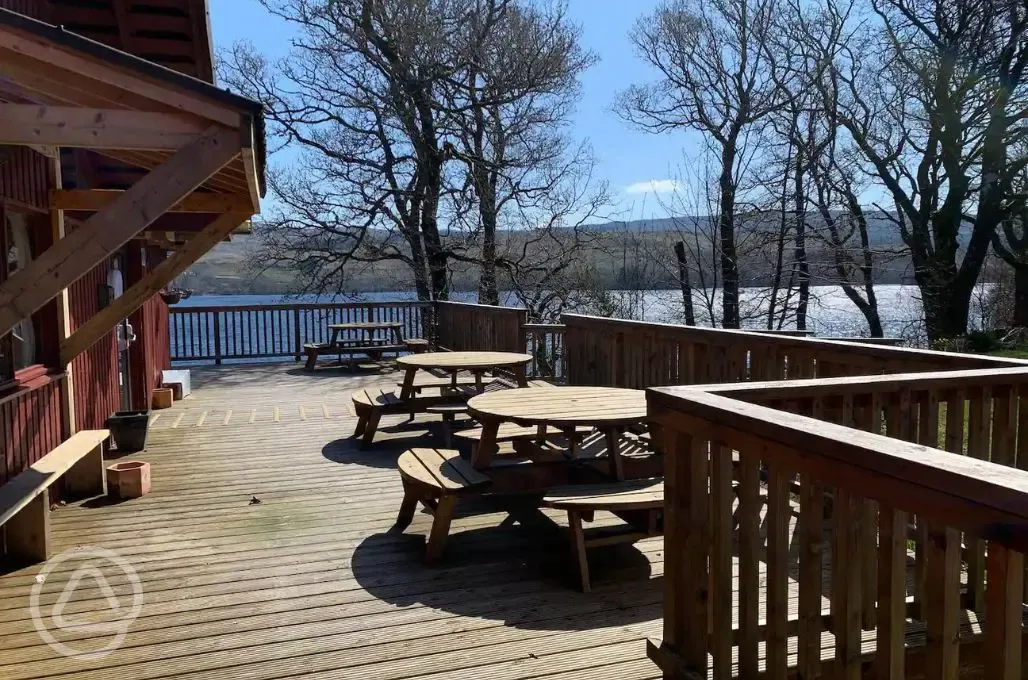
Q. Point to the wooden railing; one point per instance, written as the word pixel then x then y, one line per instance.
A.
pixel 637 354
pixel 462 326
pixel 836 491
pixel 545 343
pixel 264 331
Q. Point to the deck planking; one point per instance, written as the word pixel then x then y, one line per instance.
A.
pixel 310 582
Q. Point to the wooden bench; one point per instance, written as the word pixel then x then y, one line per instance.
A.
pixel 449 413
pixel 429 381
pixel 25 500
pixel 374 352
pixel 417 345
pixel 436 478
pixel 372 403
pixel 639 502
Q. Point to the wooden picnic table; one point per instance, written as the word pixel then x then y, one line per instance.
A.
pixel 453 363
pixel 368 330
pixel 608 409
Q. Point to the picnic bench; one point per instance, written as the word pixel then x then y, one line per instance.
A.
pixel 25 500
pixel 372 403
pixel 436 478
pixel 368 344
pixel 639 503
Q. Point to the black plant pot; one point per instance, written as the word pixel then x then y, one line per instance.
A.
pixel 129 429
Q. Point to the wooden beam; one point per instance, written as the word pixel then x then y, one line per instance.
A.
pixel 90 128
pixel 133 298
pixel 58 62
pixel 106 231
pixel 92 200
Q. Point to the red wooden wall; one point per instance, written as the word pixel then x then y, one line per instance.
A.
pixel 24 177
pixel 95 371
pixel 37 9
pixel 30 424
pixel 151 353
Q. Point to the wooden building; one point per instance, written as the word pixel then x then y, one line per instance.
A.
pixel 120 164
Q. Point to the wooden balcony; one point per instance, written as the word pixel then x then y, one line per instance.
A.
pixel 833 510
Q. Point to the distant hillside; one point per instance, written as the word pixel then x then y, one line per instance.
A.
pixel 622 257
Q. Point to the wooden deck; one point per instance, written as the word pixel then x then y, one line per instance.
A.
pixel 309 582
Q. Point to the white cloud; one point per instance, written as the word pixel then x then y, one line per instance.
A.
pixel 654 186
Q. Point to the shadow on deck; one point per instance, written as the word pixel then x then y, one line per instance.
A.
pixel 266 551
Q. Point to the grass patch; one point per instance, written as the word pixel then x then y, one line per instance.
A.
pixel 1011 353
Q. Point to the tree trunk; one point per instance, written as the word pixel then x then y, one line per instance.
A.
pixel 800 249
pixel 685 284
pixel 726 229
pixel 946 306
pixel 1021 296
pixel 487 287
pixel 435 255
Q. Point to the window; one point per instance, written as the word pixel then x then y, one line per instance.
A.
pixel 19 348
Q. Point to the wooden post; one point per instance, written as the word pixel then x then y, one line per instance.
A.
pixel 297 346
pixel 217 337
pixel 57 229
pixel 28 532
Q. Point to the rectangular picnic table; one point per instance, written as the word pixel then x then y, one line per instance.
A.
pixel 370 338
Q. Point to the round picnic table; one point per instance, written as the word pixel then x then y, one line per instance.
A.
pixel 453 363
pixel 608 409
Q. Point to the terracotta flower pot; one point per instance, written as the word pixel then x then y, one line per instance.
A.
pixel 128 479
pixel 163 397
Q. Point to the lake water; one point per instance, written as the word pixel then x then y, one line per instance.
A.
pixel 831 312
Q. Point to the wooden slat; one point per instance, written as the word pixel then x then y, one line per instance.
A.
pixel 846 574
pixel 942 603
pixel 892 579
pixel 721 561
pixel 1003 629
pixel 750 543
pixel 810 539
pixel 778 518
pixel 687 531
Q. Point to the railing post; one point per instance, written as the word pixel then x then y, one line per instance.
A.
pixel 296 334
pixel 217 338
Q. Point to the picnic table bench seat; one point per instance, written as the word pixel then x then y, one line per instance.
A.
pixel 639 502
pixel 449 413
pixel 436 478
pixel 443 382
pixel 372 403
pixel 25 499
pixel 373 350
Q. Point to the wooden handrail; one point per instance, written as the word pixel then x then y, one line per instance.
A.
pixel 978 496
pixel 862 384
pixel 901 511
pixel 724 336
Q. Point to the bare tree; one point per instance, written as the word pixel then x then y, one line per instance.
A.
pixel 359 97
pixel 511 108
pixel 932 94
pixel 712 78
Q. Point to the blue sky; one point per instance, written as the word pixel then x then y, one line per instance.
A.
pixel 632 162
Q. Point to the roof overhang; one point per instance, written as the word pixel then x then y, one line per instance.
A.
pixel 203 150
pixel 103 99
